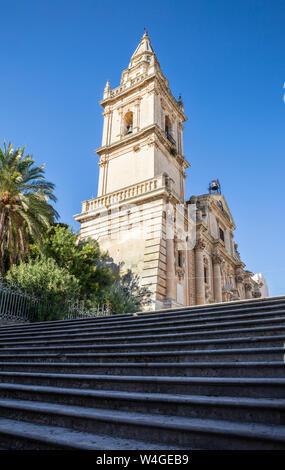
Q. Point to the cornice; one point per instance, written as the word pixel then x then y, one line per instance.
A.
pixel 137 136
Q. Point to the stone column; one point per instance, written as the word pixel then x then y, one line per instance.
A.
pixel 248 290
pixel 217 260
pixel 136 117
pixel 239 280
pixel 199 272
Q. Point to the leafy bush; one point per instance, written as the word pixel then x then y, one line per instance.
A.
pixel 53 285
pixel 65 270
pixel 126 294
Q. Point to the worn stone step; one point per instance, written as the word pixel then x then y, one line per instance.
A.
pixel 216 309
pixel 220 368
pixel 21 435
pixel 84 344
pixel 184 369
pixel 214 355
pixel 249 333
pixel 217 386
pixel 209 328
pixel 186 432
pixel 144 320
pixel 239 409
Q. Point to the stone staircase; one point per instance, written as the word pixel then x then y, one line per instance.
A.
pixel 207 377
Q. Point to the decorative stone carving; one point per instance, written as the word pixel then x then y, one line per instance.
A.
pixel 217 258
pixel 239 278
pixel 200 245
pixel 256 292
pixel 248 286
pixel 208 294
pixel 102 162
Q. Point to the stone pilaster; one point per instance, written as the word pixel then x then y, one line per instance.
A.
pixel 199 272
pixel 248 290
pixel 170 274
pixel 217 260
pixel 239 281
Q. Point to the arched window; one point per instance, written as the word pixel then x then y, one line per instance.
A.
pixel 128 123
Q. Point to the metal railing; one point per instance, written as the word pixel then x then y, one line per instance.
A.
pixel 17 305
pixel 170 138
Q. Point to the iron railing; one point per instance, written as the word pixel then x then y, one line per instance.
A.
pixel 170 138
pixel 17 305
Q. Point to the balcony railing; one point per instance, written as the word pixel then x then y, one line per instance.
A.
pixel 170 138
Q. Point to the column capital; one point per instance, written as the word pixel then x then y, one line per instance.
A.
pixel 200 245
pixel 248 286
pixel 239 277
pixel 217 258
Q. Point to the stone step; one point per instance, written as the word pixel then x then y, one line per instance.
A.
pixel 204 377
pixel 226 334
pixel 217 386
pixel 141 322
pixel 210 355
pixel 239 409
pixel 209 328
pixel 187 369
pixel 259 305
pixel 177 430
pixel 87 345
pixel 21 435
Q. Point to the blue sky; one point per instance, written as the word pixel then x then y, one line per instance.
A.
pixel 226 58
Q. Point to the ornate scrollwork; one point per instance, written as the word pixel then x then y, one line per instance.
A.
pixel 248 286
pixel 216 257
pixel 200 245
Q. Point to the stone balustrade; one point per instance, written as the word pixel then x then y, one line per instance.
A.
pixel 128 84
pixel 125 193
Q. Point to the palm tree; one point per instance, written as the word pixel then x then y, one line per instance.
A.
pixel 25 212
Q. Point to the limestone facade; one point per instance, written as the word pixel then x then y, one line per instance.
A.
pixel 184 252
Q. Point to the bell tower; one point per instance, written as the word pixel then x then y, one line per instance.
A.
pixel 143 127
pixel 142 172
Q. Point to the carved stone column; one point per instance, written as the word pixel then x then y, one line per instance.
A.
pixel 217 260
pixel 248 290
pixel 239 281
pixel 199 272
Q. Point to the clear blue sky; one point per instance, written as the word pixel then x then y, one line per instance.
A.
pixel 225 57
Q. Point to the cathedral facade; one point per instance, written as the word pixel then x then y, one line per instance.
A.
pixel 183 251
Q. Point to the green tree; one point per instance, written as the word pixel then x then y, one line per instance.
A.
pixel 52 284
pixel 82 258
pixel 25 211
pixel 100 279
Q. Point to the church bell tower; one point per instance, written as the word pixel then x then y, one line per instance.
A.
pixel 143 127
pixel 142 169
